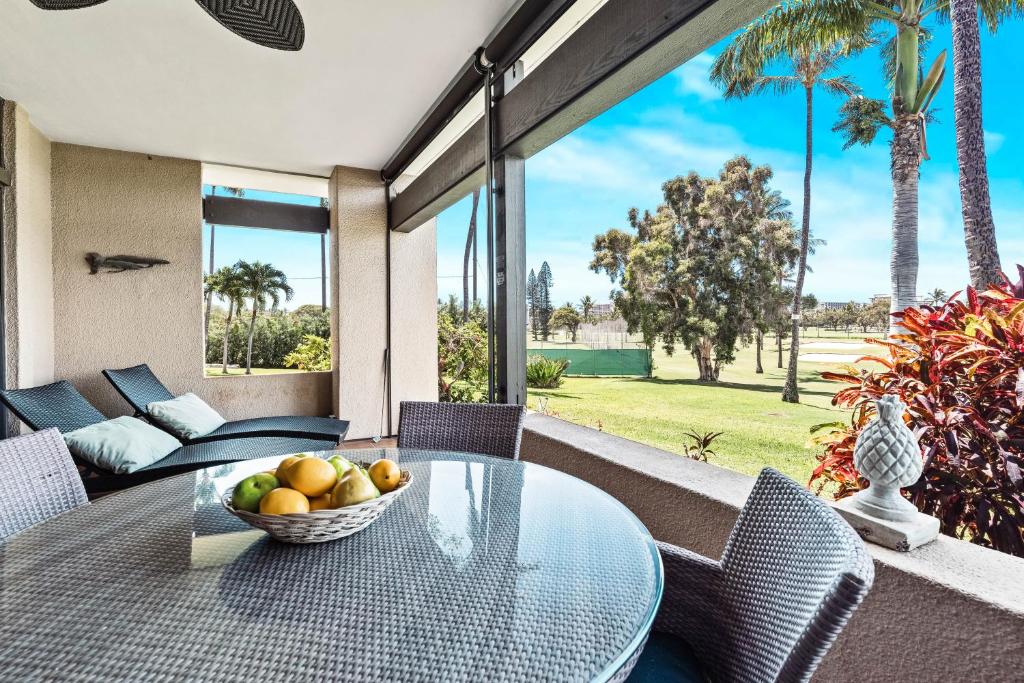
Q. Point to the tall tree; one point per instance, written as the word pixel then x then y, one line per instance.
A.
pixel 262 284
pixel 568 318
pixel 470 241
pixel 749 66
pixel 975 202
pixel 226 283
pixel 910 97
pixel 531 302
pixel 234 192
pixel 544 306
pixel 683 270
pixel 586 308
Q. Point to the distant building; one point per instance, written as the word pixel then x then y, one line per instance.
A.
pixel 602 309
pixel 831 305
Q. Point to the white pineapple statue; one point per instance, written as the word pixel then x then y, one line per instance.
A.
pixel 887 455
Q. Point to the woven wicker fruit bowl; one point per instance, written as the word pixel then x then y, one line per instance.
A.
pixel 319 526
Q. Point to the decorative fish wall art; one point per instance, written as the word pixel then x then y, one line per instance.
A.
pixel 119 264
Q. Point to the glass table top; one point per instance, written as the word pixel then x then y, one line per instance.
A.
pixel 484 569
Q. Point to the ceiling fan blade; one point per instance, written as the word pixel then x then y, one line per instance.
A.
pixel 271 23
pixel 65 4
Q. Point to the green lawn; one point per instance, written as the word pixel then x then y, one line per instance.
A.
pixel 234 372
pixel 759 429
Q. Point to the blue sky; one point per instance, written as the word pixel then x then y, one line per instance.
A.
pixel 297 254
pixel 586 182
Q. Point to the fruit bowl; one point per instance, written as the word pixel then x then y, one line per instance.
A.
pixel 319 526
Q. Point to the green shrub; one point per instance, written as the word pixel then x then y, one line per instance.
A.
pixel 461 357
pixel 312 355
pixel 545 373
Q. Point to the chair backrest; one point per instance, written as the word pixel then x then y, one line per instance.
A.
pixel 57 405
pixel 485 428
pixel 139 386
pixel 40 481
pixel 793 572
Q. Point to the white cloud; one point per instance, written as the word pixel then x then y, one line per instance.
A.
pixel 692 78
pixel 584 184
pixel 993 141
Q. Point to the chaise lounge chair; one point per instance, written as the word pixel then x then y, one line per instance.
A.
pixel 140 387
pixel 60 406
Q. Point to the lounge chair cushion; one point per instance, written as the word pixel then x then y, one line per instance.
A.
pixel 188 416
pixel 122 445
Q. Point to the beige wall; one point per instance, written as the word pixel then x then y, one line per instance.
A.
pixel 114 202
pixel 359 309
pixel 413 316
pixel 33 255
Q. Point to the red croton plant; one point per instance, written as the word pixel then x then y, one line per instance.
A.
pixel 959 367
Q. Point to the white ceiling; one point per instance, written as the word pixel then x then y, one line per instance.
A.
pixel 162 77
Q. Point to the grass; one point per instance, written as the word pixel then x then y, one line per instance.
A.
pixel 759 429
pixel 234 372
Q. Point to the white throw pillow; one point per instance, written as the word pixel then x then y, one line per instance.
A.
pixel 121 445
pixel 187 416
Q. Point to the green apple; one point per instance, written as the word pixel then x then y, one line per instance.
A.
pixel 353 488
pixel 250 491
pixel 341 465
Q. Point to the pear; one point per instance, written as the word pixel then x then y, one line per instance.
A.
pixel 341 465
pixel 354 487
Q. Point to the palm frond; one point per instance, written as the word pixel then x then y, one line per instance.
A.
pixel 840 85
pixel 860 119
pixel 786 32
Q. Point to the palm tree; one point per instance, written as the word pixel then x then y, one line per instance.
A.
pixel 586 307
pixel 936 296
pixel 912 92
pixel 261 283
pixel 470 249
pixel 226 283
pixel 742 69
pixel 975 202
pixel 235 192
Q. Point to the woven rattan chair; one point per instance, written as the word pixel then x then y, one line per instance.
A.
pixel 792 574
pixel 59 406
pixel 40 481
pixel 485 428
pixel 140 387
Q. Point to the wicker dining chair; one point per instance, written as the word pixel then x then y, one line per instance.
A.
pixel 40 481
pixel 791 575
pixel 484 428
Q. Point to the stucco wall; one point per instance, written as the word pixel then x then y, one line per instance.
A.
pixel 359 305
pixel 33 255
pixel 413 316
pixel 114 202
pixel 358 310
pixel 948 611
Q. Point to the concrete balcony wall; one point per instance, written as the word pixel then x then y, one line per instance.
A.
pixel 948 611
pixel 114 202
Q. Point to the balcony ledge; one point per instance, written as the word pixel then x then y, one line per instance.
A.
pixel 920 599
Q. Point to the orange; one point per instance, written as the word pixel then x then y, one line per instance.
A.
pixel 283 502
pixel 282 468
pixel 312 476
pixel 320 502
pixel 385 475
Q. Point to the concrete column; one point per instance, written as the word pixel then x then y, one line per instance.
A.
pixel 359 300
pixel 413 316
pixel 359 305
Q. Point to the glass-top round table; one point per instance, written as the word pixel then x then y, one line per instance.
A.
pixel 484 570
